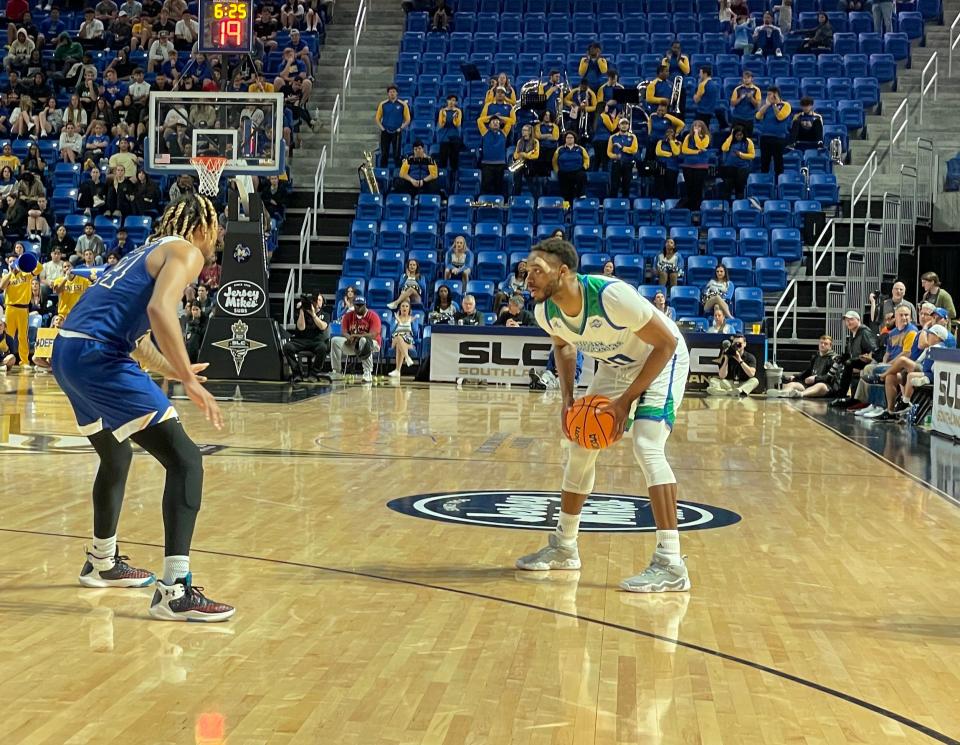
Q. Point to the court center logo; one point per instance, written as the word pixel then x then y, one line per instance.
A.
pixel 538 510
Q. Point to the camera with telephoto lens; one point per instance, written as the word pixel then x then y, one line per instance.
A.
pixel 306 301
pixel 725 346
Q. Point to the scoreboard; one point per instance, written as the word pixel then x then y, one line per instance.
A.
pixel 225 27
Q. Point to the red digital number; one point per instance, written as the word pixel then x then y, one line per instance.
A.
pixel 231 33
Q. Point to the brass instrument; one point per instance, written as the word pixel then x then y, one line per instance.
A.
pixel 560 114
pixel 676 96
pixel 477 205
pixel 836 151
pixel 367 173
pixel 805 175
pixel 516 165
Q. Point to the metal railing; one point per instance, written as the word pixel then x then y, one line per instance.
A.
pixel 358 26
pixel 345 78
pixel 863 181
pixel 873 255
pixel 855 297
pixel 928 80
pixel 305 238
pixel 825 245
pixel 928 180
pixel 954 41
pixel 899 130
pixel 890 234
pixel 836 307
pixel 318 177
pixel 289 293
pixel 790 311
pixel 335 113
pixel 906 234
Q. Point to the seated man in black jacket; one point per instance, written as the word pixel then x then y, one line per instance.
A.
pixel 515 315
pixel 312 335
pixel 859 350
pixel 820 379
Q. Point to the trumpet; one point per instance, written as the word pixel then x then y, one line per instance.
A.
pixel 367 174
pixel 836 151
pixel 516 165
pixel 676 97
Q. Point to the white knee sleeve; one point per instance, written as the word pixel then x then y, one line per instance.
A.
pixel 649 438
pixel 580 470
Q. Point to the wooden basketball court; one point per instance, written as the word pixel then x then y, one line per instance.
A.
pixel 828 613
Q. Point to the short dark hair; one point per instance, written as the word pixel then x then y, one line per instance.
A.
pixel 707 69
pixel 663 68
pixel 773 89
pixel 931 277
pixel 560 248
pixel 806 101
pixel 392 87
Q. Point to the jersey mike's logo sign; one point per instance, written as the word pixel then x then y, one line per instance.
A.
pixel 538 510
pixel 241 298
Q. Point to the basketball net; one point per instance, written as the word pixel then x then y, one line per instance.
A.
pixel 209 169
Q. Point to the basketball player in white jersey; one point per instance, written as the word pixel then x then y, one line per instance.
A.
pixel 643 371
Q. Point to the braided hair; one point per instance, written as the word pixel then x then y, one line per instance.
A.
pixel 184 216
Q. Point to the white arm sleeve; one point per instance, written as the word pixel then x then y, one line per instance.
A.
pixel 625 306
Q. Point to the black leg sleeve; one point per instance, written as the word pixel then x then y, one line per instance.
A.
pixel 110 483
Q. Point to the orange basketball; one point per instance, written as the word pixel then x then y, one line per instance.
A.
pixel 588 426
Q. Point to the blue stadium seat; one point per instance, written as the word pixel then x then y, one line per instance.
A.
pixel 588 238
pixel 458 206
pixel 823 188
pixel 779 67
pixel 518 237
pixel 550 209
pixel 759 186
pixel 786 243
pixel 483 292
pixel 74 225
pixel 647 211
pixel 685 300
pixel 422 235
pixel 138 227
pixel 488 236
pixel 629 267
pixel 745 215
pixel 452 229
pixel 754 242
pixel 749 304
pixel 790 186
pixel 650 239
pixel 380 291
pixel 106 228
pixel 845 43
pixel 521 210
pixel 859 22
pixel 616 211
pixel 830 66
pixel 393 235
pixel 852 114
pixel 687 240
pixel 789 87
pixel 805 65
pixel 870 43
pixel 66 175
pixel 369 207
pixel 856 65
pixel 650 291
pixel 839 88
pixel 898 45
pixel 619 239
pixel 867 91
pixel 884 68
pixel 428 208
pixel 700 269
pixel 777 213
pixel 931 10
pixel 586 212
pixel 714 213
pixel 815 87
pixel 359 284
pixel 770 273
pixel 740 272
pixel 592 263
pixel 722 242
pixel 426 261
pixel 358 262
pixel 388 263
pixel 490 214
pixel 454 285
pixel 363 234
pixel 804 207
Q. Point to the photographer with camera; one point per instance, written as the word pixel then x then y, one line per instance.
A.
pixel 312 335
pixel 737 375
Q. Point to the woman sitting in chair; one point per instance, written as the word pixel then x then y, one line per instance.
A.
pixel 403 333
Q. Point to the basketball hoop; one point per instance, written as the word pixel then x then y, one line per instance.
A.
pixel 209 168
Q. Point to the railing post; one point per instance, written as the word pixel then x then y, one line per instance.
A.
pixel 954 40
pixel 895 131
pixel 928 80
pixel 335 123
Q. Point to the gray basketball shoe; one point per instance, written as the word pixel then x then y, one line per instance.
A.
pixel 660 576
pixel 552 556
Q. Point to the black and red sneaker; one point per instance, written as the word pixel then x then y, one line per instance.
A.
pixel 183 601
pixel 113 571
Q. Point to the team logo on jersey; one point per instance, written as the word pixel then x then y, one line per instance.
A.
pixel 238 345
pixel 596 323
pixel 242 254
pixel 241 298
pixel 538 510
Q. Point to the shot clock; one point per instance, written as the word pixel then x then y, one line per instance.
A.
pixel 226 27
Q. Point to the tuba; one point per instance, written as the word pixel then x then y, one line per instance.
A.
pixel 676 97
pixel 836 151
pixel 367 174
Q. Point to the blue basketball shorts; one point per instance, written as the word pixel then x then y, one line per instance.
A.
pixel 107 389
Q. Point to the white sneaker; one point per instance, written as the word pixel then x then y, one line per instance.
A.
pixel 661 576
pixel 408 361
pixel 367 378
pixel 393 305
pixel 793 393
pixel 335 376
pixel 877 411
pixel 869 410
pixel 394 373
pixel 552 556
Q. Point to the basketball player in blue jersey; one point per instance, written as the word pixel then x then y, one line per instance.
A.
pixel 643 371
pixel 95 362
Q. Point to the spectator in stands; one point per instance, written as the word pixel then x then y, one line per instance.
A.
pixel 608 269
pixel 274 195
pixel 88 241
pixel 70 287
pixel 18 52
pixel 819 379
pixel 31 189
pixel 346 302
pixel 418 172
pixel 8 349
pixel 121 195
pixel 571 163
pixel 736 162
pixel 668 166
pixel 361 337
pixel 413 288
pixel 91 31
pixel 123 245
pixel 744 102
pixel 75 114
pixel 707 98
pixel 718 292
pixel 676 62
pixel 52 270
pixel 593 66
pixel 581 103
pixel 890 304
pixel 468 315
pixel 312 334
pixel 403 334
pixel 15 217
pixel 859 348
pixel 737 369
pixel 527 151
pixel 719 323
pixel 784 16
pixel 548 380
pixel 806 132
pixel 40 218
pixel 515 315
pixel 768 39
pixel 882 15
pixel 34 161
pixel 503 81
pixel 71 144
pixel 21 121
pixel 459 261
pixel 819 39
pixel 8 182
pixel 899 342
pixel 293 68
pixel 548 135
pixel 895 375
pixel 919 373
pixel 607 90
pixel 774 118
pixel 161 48
pixel 444 307
pixel 493 157
pixel 934 293
pixel 50 121
pixel 499 108
pixel 514 284
pixel 450 136
pixel 668 264
pixel 696 164
pixel 392 117
pixel 148 194
pixel 93 193
pixel 744 31
pixel 181 186
pixel 124 157
pixel 660 303
pixel 205 299
pixel 7 158
pixel 622 150
pixel 659 90
pixel 607 125
pixel 193 330
pixel 62 242
pixel 186 32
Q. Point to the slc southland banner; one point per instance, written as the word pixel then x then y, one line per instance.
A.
pixel 496 354
pixel 946 392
